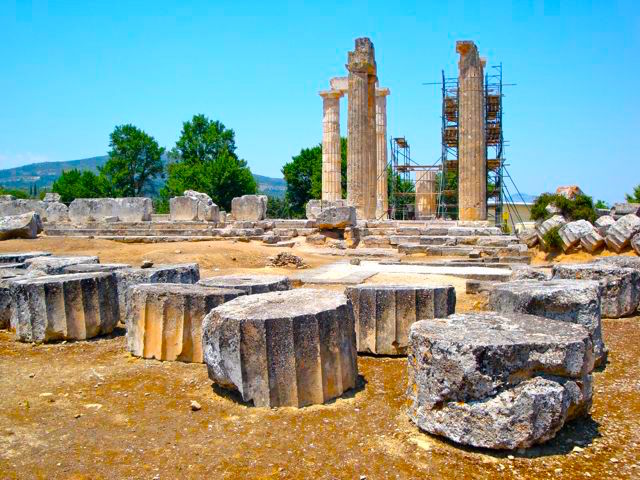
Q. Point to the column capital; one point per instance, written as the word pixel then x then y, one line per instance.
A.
pixel 382 92
pixel 331 93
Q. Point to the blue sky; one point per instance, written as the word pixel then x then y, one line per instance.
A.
pixel 71 71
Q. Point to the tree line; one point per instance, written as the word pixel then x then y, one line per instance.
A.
pixel 203 159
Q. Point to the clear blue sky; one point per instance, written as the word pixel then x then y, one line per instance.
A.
pixel 71 71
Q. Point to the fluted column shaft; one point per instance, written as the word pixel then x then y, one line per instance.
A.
pixel 361 148
pixel 472 166
pixel 331 158
pixel 425 194
pixel 382 201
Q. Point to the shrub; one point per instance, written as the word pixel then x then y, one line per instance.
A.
pixel 551 240
pixel 580 208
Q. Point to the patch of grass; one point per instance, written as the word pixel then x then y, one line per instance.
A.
pixel 552 241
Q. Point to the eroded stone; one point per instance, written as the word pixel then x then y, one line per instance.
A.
pixel 164 321
pixel 384 313
pixel 251 284
pixel 26 225
pixel 291 348
pixel 620 233
pixel 573 301
pixel 498 381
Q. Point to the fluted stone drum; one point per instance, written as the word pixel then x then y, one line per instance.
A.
pixel 290 348
pixel 384 313
pixel 251 284
pixel 64 307
pixel 164 320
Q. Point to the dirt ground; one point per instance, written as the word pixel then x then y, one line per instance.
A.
pixel 89 410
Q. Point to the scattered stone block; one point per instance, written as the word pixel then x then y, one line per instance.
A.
pixel 52 197
pixel 573 301
pixel 128 209
pixel 635 243
pixel 620 233
pixel 569 192
pixel 384 314
pixel 193 206
pixel 21 257
pixel 64 307
pixel 498 381
pixel 51 265
pixel 620 286
pixel 291 348
pixel 270 239
pixel 316 239
pixel 525 272
pixel 592 241
pixel 604 223
pixel 26 225
pixel 251 284
pixel 572 232
pixel 47 211
pixel 6 276
pixel 336 217
pixel 550 223
pixel 249 208
pixel 188 273
pixel 619 210
pixel 165 320
pixel 315 207
pixel 95 267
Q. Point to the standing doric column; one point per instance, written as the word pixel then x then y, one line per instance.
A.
pixel 331 158
pixel 361 146
pixel 425 194
pixel 472 153
pixel 382 201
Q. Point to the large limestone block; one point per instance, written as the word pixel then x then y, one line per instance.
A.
pixel 336 217
pixel 165 319
pixel 384 314
pixel 529 237
pixel 188 273
pixel 525 272
pixel 250 208
pixel 548 224
pixel 194 206
pixel 95 267
pixel 501 381
pixel 19 226
pixel 48 211
pixel 619 210
pixel 315 207
pixel 592 241
pixel 620 234
pixel 622 261
pixel 21 257
pixel 573 301
pixel 52 197
pixel 251 284
pixel 291 348
pixel 128 209
pixel 51 265
pixel 6 276
pixel 620 286
pixel 635 243
pixel 604 223
pixel 572 232
pixel 64 307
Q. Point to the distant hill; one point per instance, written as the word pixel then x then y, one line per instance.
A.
pixel 43 174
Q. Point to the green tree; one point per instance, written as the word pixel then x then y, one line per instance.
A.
pixel 204 159
pixel 303 175
pixel 278 208
pixel 135 159
pixel 401 193
pixel 635 196
pixel 601 204
pixel 74 184
pixel 13 191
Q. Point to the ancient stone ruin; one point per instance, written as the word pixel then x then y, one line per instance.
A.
pixel 501 381
pixel 291 348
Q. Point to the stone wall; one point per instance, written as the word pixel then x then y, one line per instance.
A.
pixel 48 211
pixel 128 209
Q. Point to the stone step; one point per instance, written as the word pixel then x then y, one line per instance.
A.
pixel 463 250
